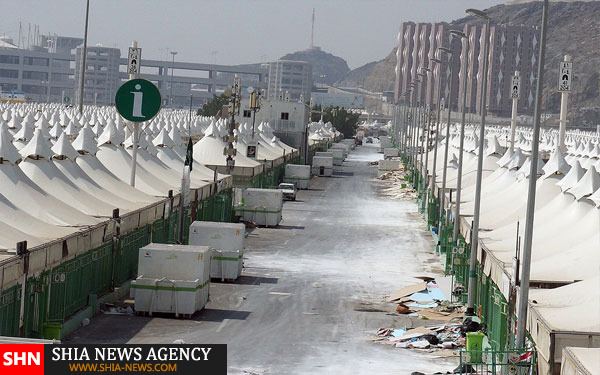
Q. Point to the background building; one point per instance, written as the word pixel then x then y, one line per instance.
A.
pixel 511 48
pixel 50 71
pixel 293 77
pixel 332 99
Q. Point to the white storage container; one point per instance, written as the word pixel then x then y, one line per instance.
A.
pixel 172 279
pixel 298 174
pixel 384 142
pixel 226 264
pixel 261 206
pixel 175 262
pixel 180 297
pixel 322 166
pixel 384 166
pixel 338 155
pixel 324 153
pixel 390 152
pixel 227 242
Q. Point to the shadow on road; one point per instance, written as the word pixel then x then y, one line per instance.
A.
pixel 255 280
pixel 218 315
pixel 290 227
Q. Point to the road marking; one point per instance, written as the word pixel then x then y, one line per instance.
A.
pixel 239 303
pixel 334 331
pixel 222 325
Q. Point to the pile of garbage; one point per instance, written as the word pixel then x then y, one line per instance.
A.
pixel 426 301
pixel 397 186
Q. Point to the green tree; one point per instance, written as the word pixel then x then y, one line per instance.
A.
pixel 213 106
pixel 342 119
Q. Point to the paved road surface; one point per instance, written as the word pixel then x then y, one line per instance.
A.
pixel 339 250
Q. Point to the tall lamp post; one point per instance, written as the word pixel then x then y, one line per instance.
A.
pixel 173 53
pixel 426 124
pixel 476 211
pixel 461 35
pixel 421 125
pixel 448 52
pixel 527 243
pixel 437 72
pixel 84 57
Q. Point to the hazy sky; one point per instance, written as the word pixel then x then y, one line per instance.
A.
pixel 240 31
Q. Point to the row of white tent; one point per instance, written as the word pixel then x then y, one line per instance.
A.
pixel 61 172
pixel 566 242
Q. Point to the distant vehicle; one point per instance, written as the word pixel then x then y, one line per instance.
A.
pixel 288 191
pixel 369 140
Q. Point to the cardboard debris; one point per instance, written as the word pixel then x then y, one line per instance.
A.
pixel 407 291
pixel 415 332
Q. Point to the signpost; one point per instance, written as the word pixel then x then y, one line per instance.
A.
pixel 133 60
pixel 137 100
pixel 565 75
pixel 565 85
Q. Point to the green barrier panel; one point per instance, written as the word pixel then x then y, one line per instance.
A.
pixel 35 305
pixel 498 327
pixel 160 231
pixel 173 222
pixel 10 305
pixel 126 254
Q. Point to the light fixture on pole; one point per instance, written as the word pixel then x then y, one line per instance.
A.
pixel 461 35
pixel 84 57
pixel 477 206
pixel 446 51
pixel 527 243
pixel 426 125
pixel 437 71
pixel 173 53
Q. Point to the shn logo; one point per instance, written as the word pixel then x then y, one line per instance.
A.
pixel 21 359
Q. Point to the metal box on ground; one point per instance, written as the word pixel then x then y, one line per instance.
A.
pixel 227 242
pixel 297 174
pixel 261 206
pixel 226 264
pixel 324 153
pixel 172 279
pixel 179 297
pixel 322 166
pixel 384 166
pixel 338 155
pixel 390 152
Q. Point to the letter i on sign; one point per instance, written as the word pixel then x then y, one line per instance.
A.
pixel 137 101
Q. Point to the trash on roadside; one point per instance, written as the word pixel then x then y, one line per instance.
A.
pixel 440 337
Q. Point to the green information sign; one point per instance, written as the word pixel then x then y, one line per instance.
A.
pixel 138 100
pixel 67 99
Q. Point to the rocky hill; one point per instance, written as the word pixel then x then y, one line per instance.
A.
pixel 573 29
pixel 326 68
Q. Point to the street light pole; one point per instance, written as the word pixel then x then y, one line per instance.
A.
pixel 437 71
pixel 84 57
pixel 171 85
pixel 527 243
pixel 448 52
pixel 476 211
pixel 462 141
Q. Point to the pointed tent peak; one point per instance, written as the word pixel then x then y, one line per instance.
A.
pixel 516 160
pixel 37 147
pixel 86 141
pixel 110 135
pixel 7 150
pixel 175 136
pixel 556 165
pixel 525 170
pixel 572 178
pixel 505 159
pixel 163 139
pixel 14 122
pixel 210 131
pixel 493 147
pixel 63 147
pixel 56 131
pixel 587 185
pixel 26 131
pixel 152 150
pixel 453 162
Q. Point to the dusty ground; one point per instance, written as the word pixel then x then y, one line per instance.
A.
pixel 341 248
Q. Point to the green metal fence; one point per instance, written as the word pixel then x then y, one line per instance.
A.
pixel 498 362
pixel 10 300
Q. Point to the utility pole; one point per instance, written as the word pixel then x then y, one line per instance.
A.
pixel 564 102
pixel 84 57
pixel 135 135
pixel 173 53
pixel 234 107
pixel 527 243
pixel 514 94
pixel 476 210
